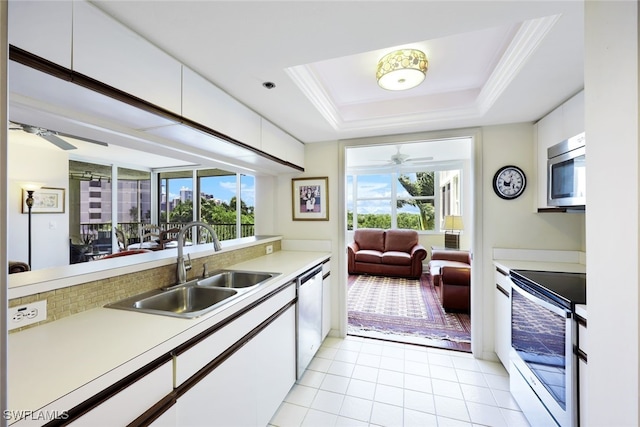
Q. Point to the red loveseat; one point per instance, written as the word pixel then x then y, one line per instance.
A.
pixel 386 253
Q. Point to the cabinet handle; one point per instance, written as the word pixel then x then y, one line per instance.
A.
pixel 502 290
pixel 581 354
pixel 501 271
pixel 580 320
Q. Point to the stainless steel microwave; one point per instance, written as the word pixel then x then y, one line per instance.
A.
pixel 566 173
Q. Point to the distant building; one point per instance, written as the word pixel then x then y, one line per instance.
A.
pixel 186 194
pixel 134 201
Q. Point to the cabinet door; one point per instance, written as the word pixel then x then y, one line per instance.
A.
pixel 131 402
pixel 564 122
pixel 275 369
pixel 281 145
pixel 225 395
pixel 140 69
pixel 582 373
pixel 205 103
pixel 247 388
pixel 573 115
pixel 194 359
pixel 583 388
pixel 549 132
pixel 502 321
pixel 42 28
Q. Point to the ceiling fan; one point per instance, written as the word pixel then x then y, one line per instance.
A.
pixel 52 136
pixel 399 158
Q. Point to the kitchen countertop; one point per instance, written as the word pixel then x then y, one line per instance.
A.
pixel 567 267
pixel 63 363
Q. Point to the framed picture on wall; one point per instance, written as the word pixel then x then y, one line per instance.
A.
pixel 310 199
pixel 45 200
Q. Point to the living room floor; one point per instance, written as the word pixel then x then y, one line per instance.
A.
pixel 358 382
pixel 381 333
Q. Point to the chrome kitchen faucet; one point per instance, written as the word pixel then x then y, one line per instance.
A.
pixel 182 266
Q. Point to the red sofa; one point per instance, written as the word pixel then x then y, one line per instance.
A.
pixel 379 252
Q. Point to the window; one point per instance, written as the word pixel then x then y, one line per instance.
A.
pixel 404 200
pixel 176 198
pixel 450 193
pixel 217 204
pixel 134 202
pixel 218 195
pixel 89 203
pixel 247 205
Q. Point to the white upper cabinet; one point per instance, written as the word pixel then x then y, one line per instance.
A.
pixel 109 52
pixel 573 116
pixel 206 104
pixel 564 122
pixel 281 145
pixel 42 28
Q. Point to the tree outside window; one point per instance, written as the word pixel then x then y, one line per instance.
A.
pixel 404 200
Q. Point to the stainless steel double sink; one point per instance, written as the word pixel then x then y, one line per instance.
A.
pixel 197 297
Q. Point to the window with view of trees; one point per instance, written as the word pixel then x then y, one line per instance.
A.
pixel 404 200
pixel 92 214
pixel 176 197
pixel 217 203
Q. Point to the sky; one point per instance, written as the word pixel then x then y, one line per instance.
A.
pixel 223 188
pixel 376 186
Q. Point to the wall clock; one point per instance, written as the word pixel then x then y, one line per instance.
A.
pixel 509 182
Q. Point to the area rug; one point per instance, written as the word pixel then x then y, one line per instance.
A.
pixel 398 306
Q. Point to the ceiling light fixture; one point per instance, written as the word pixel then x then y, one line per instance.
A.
pixel 402 69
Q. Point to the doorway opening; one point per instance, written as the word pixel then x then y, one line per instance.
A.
pixel 413 185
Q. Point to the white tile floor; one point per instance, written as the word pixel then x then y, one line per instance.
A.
pixel 363 382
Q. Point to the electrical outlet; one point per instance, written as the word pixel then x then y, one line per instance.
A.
pixel 269 249
pixel 27 314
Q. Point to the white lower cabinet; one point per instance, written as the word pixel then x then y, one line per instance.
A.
pixel 274 371
pixel 582 372
pixel 167 419
pixel 130 403
pixel 502 320
pixel 246 388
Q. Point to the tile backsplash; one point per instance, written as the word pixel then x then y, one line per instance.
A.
pixel 64 302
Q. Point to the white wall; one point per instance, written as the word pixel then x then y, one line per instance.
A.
pixel 266 205
pixel 516 223
pixel 611 99
pixel 42 163
pixel 321 159
pixel 510 224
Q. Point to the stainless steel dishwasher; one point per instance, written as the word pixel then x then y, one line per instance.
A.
pixel 309 317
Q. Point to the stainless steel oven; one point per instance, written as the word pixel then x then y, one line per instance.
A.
pixel 543 336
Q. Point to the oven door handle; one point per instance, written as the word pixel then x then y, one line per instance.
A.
pixel 549 306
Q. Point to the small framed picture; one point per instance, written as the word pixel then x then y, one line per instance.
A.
pixel 45 200
pixel 310 199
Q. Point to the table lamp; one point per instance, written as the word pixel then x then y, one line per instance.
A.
pixel 452 225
